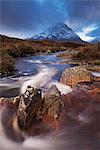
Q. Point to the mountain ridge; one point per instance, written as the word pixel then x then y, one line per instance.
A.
pixel 58 32
pixel 96 40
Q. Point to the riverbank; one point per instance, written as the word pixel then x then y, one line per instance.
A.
pixel 88 56
pixel 12 48
pixel 39 71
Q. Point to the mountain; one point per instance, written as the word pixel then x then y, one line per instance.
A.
pixel 96 40
pixel 58 32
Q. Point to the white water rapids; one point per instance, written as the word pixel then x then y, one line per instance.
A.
pixel 42 72
pixel 44 79
pixel 37 71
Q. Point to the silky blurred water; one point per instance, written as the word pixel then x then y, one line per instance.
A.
pixel 38 71
pixel 75 135
pixel 43 71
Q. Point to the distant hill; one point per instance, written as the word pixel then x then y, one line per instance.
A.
pixel 14 44
pixel 96 40
pixel 59 32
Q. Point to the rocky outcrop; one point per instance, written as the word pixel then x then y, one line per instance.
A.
pixel 59 32
pixel 31 110
pixel 36 115
pixel 29 105
pixel 74 75
pixel 52 106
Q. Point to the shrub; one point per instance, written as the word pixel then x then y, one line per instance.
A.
pixel 89 53
pixel 6 64
pixel 49 51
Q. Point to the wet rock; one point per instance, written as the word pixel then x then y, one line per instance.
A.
pixel 29 105
pixel 20 116
pixel 52 102
pixel 34 113
pixel 52 106
pixel 71 76
pixel 37 116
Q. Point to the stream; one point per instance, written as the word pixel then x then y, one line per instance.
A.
pixel 38 71
pixel 42 71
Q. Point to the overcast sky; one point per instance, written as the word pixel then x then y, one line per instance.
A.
pixel 24 18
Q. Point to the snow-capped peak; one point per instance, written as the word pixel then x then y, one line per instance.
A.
pixel 58 32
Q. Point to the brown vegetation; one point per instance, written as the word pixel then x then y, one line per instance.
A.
pixel 12 48
pixel 6 64
pixel 89 52
pixel 88 55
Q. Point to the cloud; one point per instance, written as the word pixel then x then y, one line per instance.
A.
pixel 33 16
pixel 82 12
pixel 84 34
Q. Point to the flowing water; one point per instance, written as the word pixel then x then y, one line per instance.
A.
pixel 39 71
pixel 42 72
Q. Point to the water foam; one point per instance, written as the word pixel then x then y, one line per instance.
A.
pixel 64 89
pixel 33 61
pixel 37 143
pixel 96 74
pixel 5 143
pixel 39 80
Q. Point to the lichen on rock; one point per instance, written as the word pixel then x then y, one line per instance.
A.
pixel 29 105
pixel 72 76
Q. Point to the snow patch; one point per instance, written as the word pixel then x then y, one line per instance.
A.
pixel 59 32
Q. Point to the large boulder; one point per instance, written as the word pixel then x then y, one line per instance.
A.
pixel 52 106
pixel 80 113
pixel 80 108
pixel 29 105
pixel 31 113
pixel 72 76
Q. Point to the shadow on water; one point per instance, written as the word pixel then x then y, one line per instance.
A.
pixel 10 92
